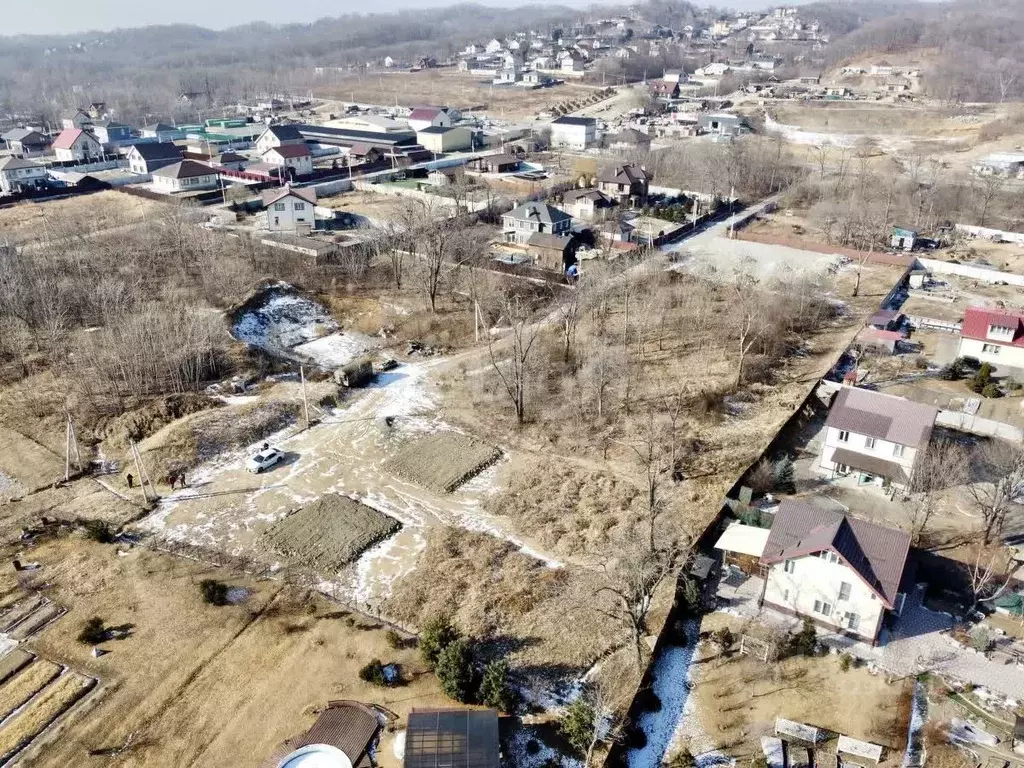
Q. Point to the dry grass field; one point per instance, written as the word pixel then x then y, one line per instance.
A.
pixel 189 680
pixel 449 87
pixel 74 216
pixel 739 698
pixel 26 684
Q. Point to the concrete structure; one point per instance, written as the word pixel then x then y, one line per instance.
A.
pixel 722 124
pixel 369 123
pixel 993 336
pixel 842 572
pixel 530 218
pixel 146 158
pixel 552 252
pixel 875 437
pixel 17 174
pixel 439 139
pixel 295 157
pixel 186 176
pixel 573 132
pixel 76 145
pixel 290 210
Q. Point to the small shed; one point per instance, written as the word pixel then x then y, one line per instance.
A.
pixel 743 546
pixel 904 238
pixel 886 319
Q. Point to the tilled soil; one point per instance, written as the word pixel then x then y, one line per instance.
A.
pixel 327 534
pixel 443 461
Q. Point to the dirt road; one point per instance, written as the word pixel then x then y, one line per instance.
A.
pixel 226 508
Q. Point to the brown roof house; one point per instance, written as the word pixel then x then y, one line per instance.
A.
pixel 553 252
pixel 587 204
pixel 874 437
pixel 626 183
pixel 842 572
pixel 344 734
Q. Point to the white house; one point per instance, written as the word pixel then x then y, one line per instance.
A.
pixel 143 159
pixel 875 437
pixel 493 46
pixel 573 132
pixel 429 117
pixel 290 210
pixel 296 157
pixel 17 174
pixel 279 136
pixel 76 145
pixel 586 204
pixel 842 572
pixel 533 218
pixel 993 336
pixel 80 120
pixel 715 69
pixel 186 176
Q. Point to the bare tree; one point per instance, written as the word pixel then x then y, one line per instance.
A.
pixel 513 370
pixel 987 572
pixel 944 465
pixel 1000 465
pixel 747 318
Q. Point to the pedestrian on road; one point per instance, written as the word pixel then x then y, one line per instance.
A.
pixel 131 480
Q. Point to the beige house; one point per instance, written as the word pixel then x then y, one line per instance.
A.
pixel 278 136
pixel 75 145
pixel 993 336
pixel 290 210
pixel 186 176
pixel 295 157
pixel 438 139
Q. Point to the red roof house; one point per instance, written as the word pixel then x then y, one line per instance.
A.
pixel 993 335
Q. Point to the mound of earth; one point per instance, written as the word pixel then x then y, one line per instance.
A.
pixel 443 461
pixel 151 417
pixel 328 534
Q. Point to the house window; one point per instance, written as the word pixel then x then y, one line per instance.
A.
pixel 991 349
pixel 897 451
pixel 844 590
pixel 279 206
pixel 825 609
pixel 844 436
pixel 853 621
pixel 789 566
pixel 300 206
pixel 869 443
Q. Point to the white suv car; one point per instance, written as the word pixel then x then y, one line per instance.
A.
pixel 265 459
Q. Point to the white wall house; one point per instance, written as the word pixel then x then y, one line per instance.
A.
pixel 186 176
pixel 842 572
pixel 278 136
pixel 531 218
pixel 297 157
pixel 290 210
pixel 76 145
pixel 17 174
pixel 573 132
pixel 429 117
pixel 993 336
pixel 875 437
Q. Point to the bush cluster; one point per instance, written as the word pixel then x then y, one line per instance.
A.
pixel 453 659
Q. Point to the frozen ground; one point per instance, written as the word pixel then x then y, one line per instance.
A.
pixel 337 349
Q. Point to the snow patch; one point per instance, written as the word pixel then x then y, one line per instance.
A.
pixel 337 349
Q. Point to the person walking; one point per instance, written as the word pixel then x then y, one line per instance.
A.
pixel 131 480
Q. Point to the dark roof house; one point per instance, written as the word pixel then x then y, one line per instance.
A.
pixel 186 169
pixel 347 726
pixel 541 212
pixel 452 738
pixel 877 553
pixel 885 417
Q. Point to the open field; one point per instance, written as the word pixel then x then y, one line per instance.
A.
pixel 328 534
pixel 371 205
pixel 31 464
pixel 443 461
pixel 190 679
pixel 74 216
pixel 449 87
pixel 739 697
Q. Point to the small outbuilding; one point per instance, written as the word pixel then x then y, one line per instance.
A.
pixel 467 738
pixel 904 238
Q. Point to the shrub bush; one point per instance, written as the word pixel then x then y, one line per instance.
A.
pixel 804 642
pixel 93 632
pixel 577 725
pixel 214 592
pixel 991 390
pixel 394 640
pixel 495 692
pixel 845 662
pixel 374 673
pixel 454 670
pixel 682 759
pixel 437 635
pixel 99 530
pixel 724 638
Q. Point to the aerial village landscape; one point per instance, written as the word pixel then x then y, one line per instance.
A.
pixel 633 386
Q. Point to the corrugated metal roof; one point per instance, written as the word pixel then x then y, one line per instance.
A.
pixel 875 552
pixel 977 321
pixel 347 725
pixel 886 417
pixel 452 738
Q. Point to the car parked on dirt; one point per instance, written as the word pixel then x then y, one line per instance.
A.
pixel 265 459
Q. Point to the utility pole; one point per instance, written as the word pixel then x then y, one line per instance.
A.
pixel 305 402
pixel 143 474
pixel 71 446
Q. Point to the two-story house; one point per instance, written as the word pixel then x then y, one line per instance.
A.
pixel 143 159
pixel 17 174
pixel 625 183
pixel 993 336
pixel 587 204
pixel 296 157
pixel 842 572
pixel 290 210
pixel 573 132
pixel 80 120
pixel 429 117
pixel 875 437
pixel 530 218
pixel 76 145
pixel 279 136
pixel 112 132
pixel 26 142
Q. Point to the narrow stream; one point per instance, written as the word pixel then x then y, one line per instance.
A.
pixel 918 717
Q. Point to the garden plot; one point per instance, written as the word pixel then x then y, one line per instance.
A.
pixel 55 699
pixel 443 461
pixel 328 534
pixel 13 662
pixel 26 684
